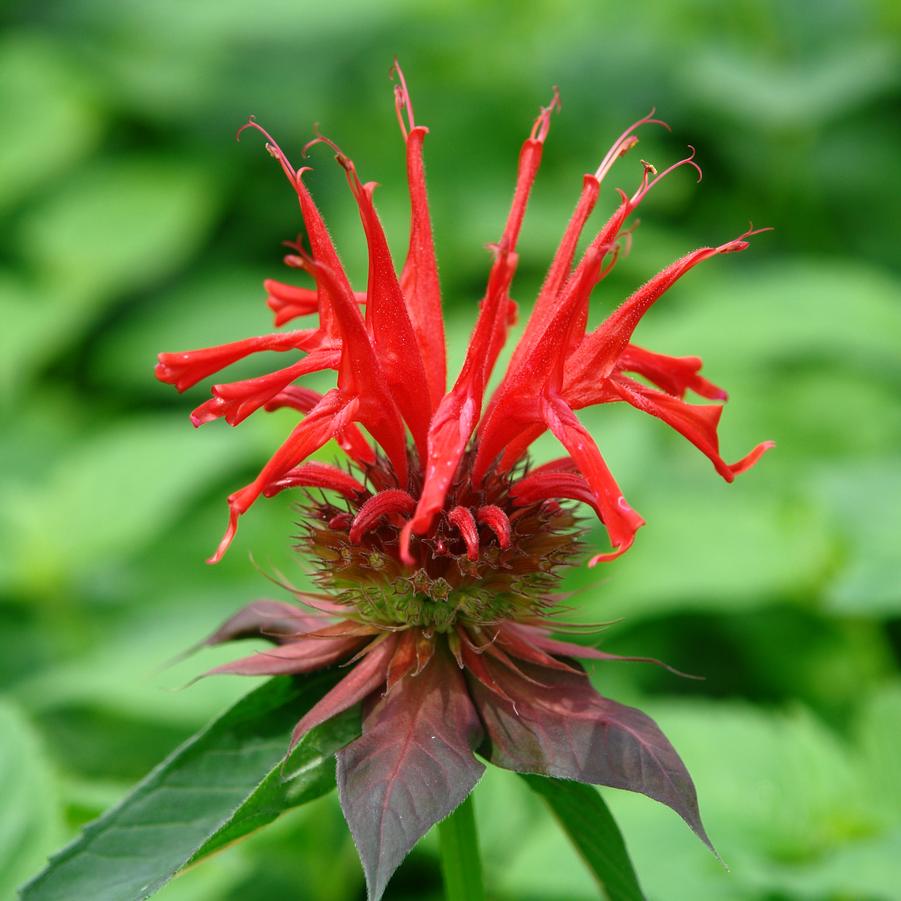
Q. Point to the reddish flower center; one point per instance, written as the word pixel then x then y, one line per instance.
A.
pixel 491 553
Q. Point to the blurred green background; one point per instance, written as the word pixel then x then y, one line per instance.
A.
pixel 134 223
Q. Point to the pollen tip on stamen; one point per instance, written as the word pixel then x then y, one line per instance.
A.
pixel 272 148
pixel 625 142
pixel 542 124
pixel 741 243
pixel 756 231
pixel 402 101
pixel 343 159
pixel 250 123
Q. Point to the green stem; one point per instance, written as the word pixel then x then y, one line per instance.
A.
pixel 461 866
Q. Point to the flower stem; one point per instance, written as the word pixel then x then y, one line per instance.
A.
pixel 461 866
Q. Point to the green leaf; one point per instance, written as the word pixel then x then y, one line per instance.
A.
pixel 861 496
pixel 50 114
pixel 308 774
pixel 213 789
pixel 591 828
pixel 461 866
pixel 136 220
pixel 79 494
pixel 31 823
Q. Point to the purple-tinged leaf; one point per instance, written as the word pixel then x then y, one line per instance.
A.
pixel 568 649
pixel 305 656
pixel 564 728
pixel 264 619
pixel 412 767
pixel 362 680
pixel 273 620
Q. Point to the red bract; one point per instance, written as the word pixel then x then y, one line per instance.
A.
pixel 441 549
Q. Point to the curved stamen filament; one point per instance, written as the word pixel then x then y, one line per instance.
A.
pixel 272 147
pixel 624 143
pixel 543 123
pixel 402 102
pixel 647 183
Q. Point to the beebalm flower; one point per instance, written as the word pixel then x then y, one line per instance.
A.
pixel 439 549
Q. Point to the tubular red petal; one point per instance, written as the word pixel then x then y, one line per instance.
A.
pixel 321 424
pixel 751 459
pixel 696 422
pixel 560 267
pixel 465 399
pixel 419 278
pixel 365 678
pixel 186 368
pixel 387 317
pixel 492 516
pixel 297 397
pixel 675 375
pixel 563 258
pixel 560 464
pixel 235 401
pixel 462 518
pixel 598 353
pixel 515 448
pixel 620 520
pixel 393 502
pixel 392 331
pixel 552 485
pixel 457 414
pixel 321 247
pixel 350 439
pixel 318 475
pixel 289 302
pixel 529 163
pixel 605 241
pixel 300 302
pixel 515 406
pixel 361 375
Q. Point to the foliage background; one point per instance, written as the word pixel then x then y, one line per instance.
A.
pixel 133 223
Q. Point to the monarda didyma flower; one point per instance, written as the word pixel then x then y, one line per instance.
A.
pixel 439 548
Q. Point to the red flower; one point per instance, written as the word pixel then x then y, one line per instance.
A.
pixel 440 557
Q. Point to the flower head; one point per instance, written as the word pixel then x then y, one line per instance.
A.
pixel 438 549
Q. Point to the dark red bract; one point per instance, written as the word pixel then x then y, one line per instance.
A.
pixel 440 551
